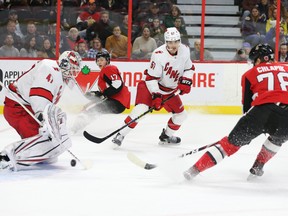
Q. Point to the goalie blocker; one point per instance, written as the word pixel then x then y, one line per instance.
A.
pixel 46 146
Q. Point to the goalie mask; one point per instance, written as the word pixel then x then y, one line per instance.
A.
pixel 69 63
pixel 262 51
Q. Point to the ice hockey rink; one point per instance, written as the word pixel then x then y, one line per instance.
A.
pixel 116 187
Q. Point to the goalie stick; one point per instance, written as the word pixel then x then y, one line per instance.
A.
pixel 100 140
pixel 148 166
pixel 85 165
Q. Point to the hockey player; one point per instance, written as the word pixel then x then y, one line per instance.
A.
pixel 41 124
pixel 265 106
pixel 170 69
pixel 113 96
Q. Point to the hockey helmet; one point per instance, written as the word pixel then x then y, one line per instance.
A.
pixel 262 51
pixel 69 63
pixel 103 54
pixel 172 34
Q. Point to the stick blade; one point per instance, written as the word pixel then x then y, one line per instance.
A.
pixel 92 138
pixel 137 161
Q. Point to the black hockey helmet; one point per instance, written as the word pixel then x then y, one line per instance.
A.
pixel 103 54
pixel 262 51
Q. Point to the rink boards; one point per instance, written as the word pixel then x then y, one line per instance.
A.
pixel 216 86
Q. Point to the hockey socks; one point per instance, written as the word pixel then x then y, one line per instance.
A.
pixel 216 154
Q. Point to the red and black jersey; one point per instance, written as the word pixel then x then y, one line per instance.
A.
pixel 265 83
pixel 108 75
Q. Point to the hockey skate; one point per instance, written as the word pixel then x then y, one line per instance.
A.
pixel 5 163
pixel 256 171
pixel 191 173
pixel 117 140
pixel 164 139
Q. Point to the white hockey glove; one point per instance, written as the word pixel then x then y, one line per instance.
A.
pixel 53 117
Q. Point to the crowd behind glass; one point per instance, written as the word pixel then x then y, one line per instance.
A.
pixel 28 27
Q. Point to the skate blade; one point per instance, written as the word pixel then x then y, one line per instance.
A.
pixel 252 177
pixel 163 143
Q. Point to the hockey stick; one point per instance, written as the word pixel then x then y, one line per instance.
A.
pixel 148 166
pixel 86 165
pixel 100 140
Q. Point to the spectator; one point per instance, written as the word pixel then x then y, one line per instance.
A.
pixel 124 28
pixel 195 54
pixel 90 15
pixel 247 6
pixel 144 45
pixel 32 31
pixel 63 17
pixel 157 32
pixel 41 54
pixel 124 25
pixel 116 44
pixel 29 48
pixel 273 6
pixel 253 28
pixel 52 37
pixel 81 48
pixel 48 49
pixel 70 40
pixel 11 29
pixel 152 14
pixel 183 32
pixel 113 5
pixel 243 53
pixel 271 22
pixel 271 36
pixel 96 47
pixel 8 49
pixel 40 2
pixel 170 19
pixel 283 55
pixel 263 7
pixel 102 29
pixel 13 16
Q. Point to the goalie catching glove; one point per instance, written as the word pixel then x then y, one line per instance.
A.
pixel 184 85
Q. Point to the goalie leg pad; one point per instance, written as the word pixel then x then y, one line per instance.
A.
pixel 39 148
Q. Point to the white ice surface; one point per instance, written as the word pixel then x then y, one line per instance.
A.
pixel 116 187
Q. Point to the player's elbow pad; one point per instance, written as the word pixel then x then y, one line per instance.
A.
pixel 113 89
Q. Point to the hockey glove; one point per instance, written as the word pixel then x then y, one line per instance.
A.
pixel 157 101
pixel 184 85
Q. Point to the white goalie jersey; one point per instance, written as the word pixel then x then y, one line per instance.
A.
pixel 40 85
pixel 167 69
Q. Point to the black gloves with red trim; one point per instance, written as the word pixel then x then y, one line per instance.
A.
pixel 184 85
